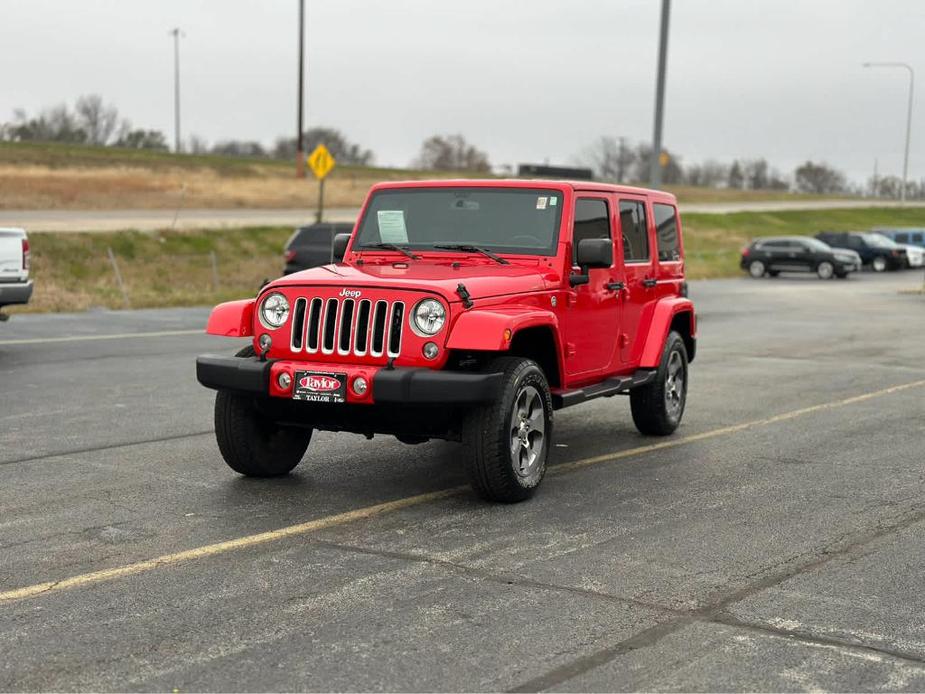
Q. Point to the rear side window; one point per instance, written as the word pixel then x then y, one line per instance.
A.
pixel 666 227
pixel 592 221
pixel 635 231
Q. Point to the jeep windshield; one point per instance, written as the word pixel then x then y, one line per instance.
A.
pixel 522 221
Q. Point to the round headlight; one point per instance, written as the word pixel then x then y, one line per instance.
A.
pixel 428 317
pixel 274 310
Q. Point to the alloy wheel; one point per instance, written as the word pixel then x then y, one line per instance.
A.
pixel 528 431
pixel 674 385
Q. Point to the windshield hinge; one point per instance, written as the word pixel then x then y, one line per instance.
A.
pixel 464 295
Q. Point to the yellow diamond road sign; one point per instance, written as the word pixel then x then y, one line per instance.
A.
pixel 320 162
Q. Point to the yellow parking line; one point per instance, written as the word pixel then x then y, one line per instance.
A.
pixel 407 502
pixel 88 338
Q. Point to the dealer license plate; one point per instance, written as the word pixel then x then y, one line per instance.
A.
pixel 319 386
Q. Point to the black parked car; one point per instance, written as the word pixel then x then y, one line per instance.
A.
pixel 771 256
pixel 875 250
pixel 310 246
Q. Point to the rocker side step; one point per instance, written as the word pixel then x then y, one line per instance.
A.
pixel 612 386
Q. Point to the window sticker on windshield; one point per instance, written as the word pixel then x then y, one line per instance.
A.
pixel 553 201
pixel 392 226
pixel 541 202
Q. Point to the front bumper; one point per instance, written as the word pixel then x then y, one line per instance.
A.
pixel 409 386
pixel 15 293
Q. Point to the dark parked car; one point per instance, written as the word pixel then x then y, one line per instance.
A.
pixel 771 256
pixel 310 246
pixel 875 250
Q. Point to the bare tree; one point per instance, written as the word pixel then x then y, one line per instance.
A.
pixel 142 139
pixel 610 157
pixel 97 120
pixel 451 153
pixel 239 148
pixel 818 178
pixel 197 145
pixel 344 151
pixel 736 178
pixel 755 173
pixel 672 173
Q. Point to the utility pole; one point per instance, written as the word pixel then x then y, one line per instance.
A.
pixel 176 87
pixel 906 66
pixel 655 170
pixel 300 145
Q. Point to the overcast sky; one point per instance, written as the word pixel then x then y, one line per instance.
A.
pixel 525 81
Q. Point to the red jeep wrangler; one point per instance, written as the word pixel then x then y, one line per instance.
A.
pixel 468 311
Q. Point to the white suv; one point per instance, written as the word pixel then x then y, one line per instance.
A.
pixel 15 285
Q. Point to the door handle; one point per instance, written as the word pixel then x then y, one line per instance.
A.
pixel 615 286
pixel 649 282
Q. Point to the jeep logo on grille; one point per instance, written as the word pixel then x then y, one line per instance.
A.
pixel 319 384
pixel 350 293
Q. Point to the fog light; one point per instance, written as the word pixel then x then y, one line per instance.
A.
pixel 360 385
pixel 265 342
pixel 284 380
pixel 431 350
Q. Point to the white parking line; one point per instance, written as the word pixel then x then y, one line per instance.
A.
pixel 89 338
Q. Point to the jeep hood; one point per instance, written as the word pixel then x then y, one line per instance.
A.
pixel 481 280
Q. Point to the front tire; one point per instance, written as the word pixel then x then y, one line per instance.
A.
pixel 825 270
pixel 878 264
pixel 252 444
pixel 658 406
pixel 510 438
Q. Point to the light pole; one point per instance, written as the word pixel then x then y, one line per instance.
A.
pixel 655 166
pixel 176 87
pixel 908 67
pixel 300 145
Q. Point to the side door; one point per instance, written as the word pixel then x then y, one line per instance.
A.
pixel 593 318
pixel 804 256
pixel 640 281
pixel 779 254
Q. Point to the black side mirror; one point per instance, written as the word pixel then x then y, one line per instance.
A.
pixel 595 253
pixel 339 247
pixel 592 253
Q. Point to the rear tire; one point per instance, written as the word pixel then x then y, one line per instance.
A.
pixel 756 269
pixel 510 438
pixel 252 444
pixel 658 406
pixel 825 270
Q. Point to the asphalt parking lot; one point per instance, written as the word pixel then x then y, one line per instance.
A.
pixel 775 542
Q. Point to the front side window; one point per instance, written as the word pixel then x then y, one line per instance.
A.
pixel 592 221
pixel 504 220
pixel 667 237
pixel 635 231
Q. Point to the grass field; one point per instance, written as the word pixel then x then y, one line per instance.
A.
pixel 52 176
pixel 73 272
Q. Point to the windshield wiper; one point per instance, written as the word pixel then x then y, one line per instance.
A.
pixel 392 247
pixel 471 249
